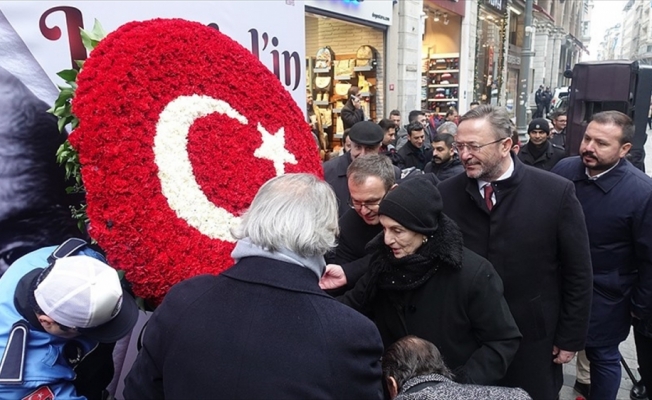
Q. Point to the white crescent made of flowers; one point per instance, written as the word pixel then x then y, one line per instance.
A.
pixel 178 184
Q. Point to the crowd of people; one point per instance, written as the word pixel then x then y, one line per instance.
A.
pixel 434 261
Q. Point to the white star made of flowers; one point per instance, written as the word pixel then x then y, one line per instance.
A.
pixel 273 149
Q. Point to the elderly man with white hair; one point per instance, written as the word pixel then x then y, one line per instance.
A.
pixel 263 328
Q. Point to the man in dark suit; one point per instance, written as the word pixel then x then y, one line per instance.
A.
pixel 530 225
pixel 540 152
pixel 617 202
pixel 263 329
pixel 416 153
pixel 370 178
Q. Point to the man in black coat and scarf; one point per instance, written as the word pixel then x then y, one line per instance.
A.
pixel 530 225
pixel 263 329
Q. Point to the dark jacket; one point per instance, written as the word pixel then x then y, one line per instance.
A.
pixel 437 387
pixel 351 115
pixel 536 239
pixel 335 175
pixel 262 329
pixel 350 252
pixel 618 211
pixel 547 160
pixel 461 308
pixel 414 157
pixel 559 139
pixel 446 170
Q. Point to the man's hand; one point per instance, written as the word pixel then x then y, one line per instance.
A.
pixel 333 277
pixel 563 356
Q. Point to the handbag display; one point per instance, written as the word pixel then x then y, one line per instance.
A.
pixel 344 67
pixel 363 84
pixel 339 127
pixel 322 82
pixel 324 58
pixel 364 56
pixel 326 117
pixel 342 89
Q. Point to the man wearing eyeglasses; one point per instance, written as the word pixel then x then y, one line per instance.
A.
pixel 530 225
pixel 369 179
pixel 61 312
pixel 366 138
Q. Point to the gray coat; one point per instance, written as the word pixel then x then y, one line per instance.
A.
pixel 437 387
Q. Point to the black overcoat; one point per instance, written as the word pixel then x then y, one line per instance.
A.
pixel 461 308
pixel 536 238
pixel 261 330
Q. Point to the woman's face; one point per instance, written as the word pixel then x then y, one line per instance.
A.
pixel 401 240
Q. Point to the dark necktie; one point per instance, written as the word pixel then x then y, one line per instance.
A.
pixel 488 191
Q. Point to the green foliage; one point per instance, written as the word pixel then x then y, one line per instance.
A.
pixel 62 108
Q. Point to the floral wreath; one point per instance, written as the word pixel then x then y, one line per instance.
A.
pixel 175 137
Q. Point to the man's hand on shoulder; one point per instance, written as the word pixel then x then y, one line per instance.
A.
pixel 333 278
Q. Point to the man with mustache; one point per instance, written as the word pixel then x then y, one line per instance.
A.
pixel 445 162
pixel 542 257
pixel 617 202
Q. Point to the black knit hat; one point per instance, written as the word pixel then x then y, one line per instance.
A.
pixel 366 133
pixel 539 124
pixel 416 204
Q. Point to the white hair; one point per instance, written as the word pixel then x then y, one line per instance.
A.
pixel 297 212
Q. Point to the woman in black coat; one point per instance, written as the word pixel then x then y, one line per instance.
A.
pixel 423 282
pixel 352 112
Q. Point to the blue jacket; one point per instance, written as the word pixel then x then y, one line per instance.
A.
pixel 618 212
pixel 44 367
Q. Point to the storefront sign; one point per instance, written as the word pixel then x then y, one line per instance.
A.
pixel 376 11
pixel 514 60
pixel 498 5
pixel 40 38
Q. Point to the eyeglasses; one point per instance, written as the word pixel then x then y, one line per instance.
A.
pixel 471 147
pixel 357 205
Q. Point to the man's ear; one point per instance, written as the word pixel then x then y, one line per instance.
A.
pixel 393 186
pixel 46 322
pixel 392 387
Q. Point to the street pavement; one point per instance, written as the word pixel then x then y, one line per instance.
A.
pixel 627 348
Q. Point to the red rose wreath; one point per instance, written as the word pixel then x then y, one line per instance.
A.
pixel 179 127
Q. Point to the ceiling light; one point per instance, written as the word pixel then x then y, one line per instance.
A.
pixel 437 14
pixel 515 11
pixel 446 20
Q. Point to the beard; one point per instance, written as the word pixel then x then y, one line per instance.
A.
pixel 486 171
pixel 595 163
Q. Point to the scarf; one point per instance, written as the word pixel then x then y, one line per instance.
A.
pixel 245 248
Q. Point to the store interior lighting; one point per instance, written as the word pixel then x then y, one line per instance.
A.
pixel 437 15
pixel 446 20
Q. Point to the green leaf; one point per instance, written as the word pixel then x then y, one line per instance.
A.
pixel 80 63
pixel 68 75
pixel 91 38
pixel 98 32
pixel 61 124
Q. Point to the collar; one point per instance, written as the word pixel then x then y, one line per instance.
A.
pixel 343 163
pixel 507 174
pixel 607 180
pixel 601 174
pixel 21 298
pixel 245 248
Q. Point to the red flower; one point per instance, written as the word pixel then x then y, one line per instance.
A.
pixel 131 78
